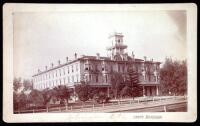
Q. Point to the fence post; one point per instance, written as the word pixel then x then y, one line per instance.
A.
pixel 118 102
pixel 165 109
pixel 93 107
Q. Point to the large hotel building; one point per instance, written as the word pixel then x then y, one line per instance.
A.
pixel 98 70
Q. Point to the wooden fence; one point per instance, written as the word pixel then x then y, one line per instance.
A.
pixel 92 106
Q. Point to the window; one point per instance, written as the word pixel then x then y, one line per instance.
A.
pixel 118 40
pixel 86 68
pixel 97 78
pixel 77 78
pixel 72 69
pixel 90 77
pixel 68 80
pixel 56 73
pixel 77 67
pixel 106 77
pixel 86 77
pixel 118 68
pixel 64 80
pixel 63 71
pixel 96 67
pixel 60 71
pixel 68 69
pixel 60 81
pixel 72 78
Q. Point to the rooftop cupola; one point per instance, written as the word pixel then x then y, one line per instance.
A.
pixel 117 47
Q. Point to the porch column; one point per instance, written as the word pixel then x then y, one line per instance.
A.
pixel 74 93
pixel 157 92
pixel 143 91
pixel 108 91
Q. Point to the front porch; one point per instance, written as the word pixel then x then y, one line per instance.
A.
pixel 150 90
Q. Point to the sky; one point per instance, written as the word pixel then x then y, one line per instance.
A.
pixel 42 38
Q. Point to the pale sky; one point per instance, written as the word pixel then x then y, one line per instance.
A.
pixel 45 37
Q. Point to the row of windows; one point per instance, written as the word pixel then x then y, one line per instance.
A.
pixel 123 68
pixel 56 73
pixel 150 78
pixel 95 78
pixel 63 80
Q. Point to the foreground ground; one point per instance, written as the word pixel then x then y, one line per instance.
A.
pixel 141 104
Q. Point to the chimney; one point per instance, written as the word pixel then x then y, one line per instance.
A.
pixel 52 65
pixel 38 70
pixel 46 67
pixel 58 62
pixel 98 56
pixel 75 56
pixel 145 58
pixel 133 56
pixel 67 59
pixel 126 56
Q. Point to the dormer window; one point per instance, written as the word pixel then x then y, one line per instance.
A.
pixel 118 40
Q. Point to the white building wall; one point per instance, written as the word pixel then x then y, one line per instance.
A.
pixel 58 76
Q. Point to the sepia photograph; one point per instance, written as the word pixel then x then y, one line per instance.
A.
pixel 72 63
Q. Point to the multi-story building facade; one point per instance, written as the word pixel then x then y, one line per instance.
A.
pixel 98 70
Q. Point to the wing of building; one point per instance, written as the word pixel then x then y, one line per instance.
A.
pixel 98 70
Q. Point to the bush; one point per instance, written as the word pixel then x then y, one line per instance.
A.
pixel 102 98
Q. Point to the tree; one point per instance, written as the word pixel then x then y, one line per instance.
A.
pixel 117 83
pixel 27 84
pixel 20 100
pixel 16 83
pixel 48 94
pixel 132 88
pixel 62 93
pixel 36 98
pixel 15 101
pixel 102 97
pixel 173 77
pixel 83 91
